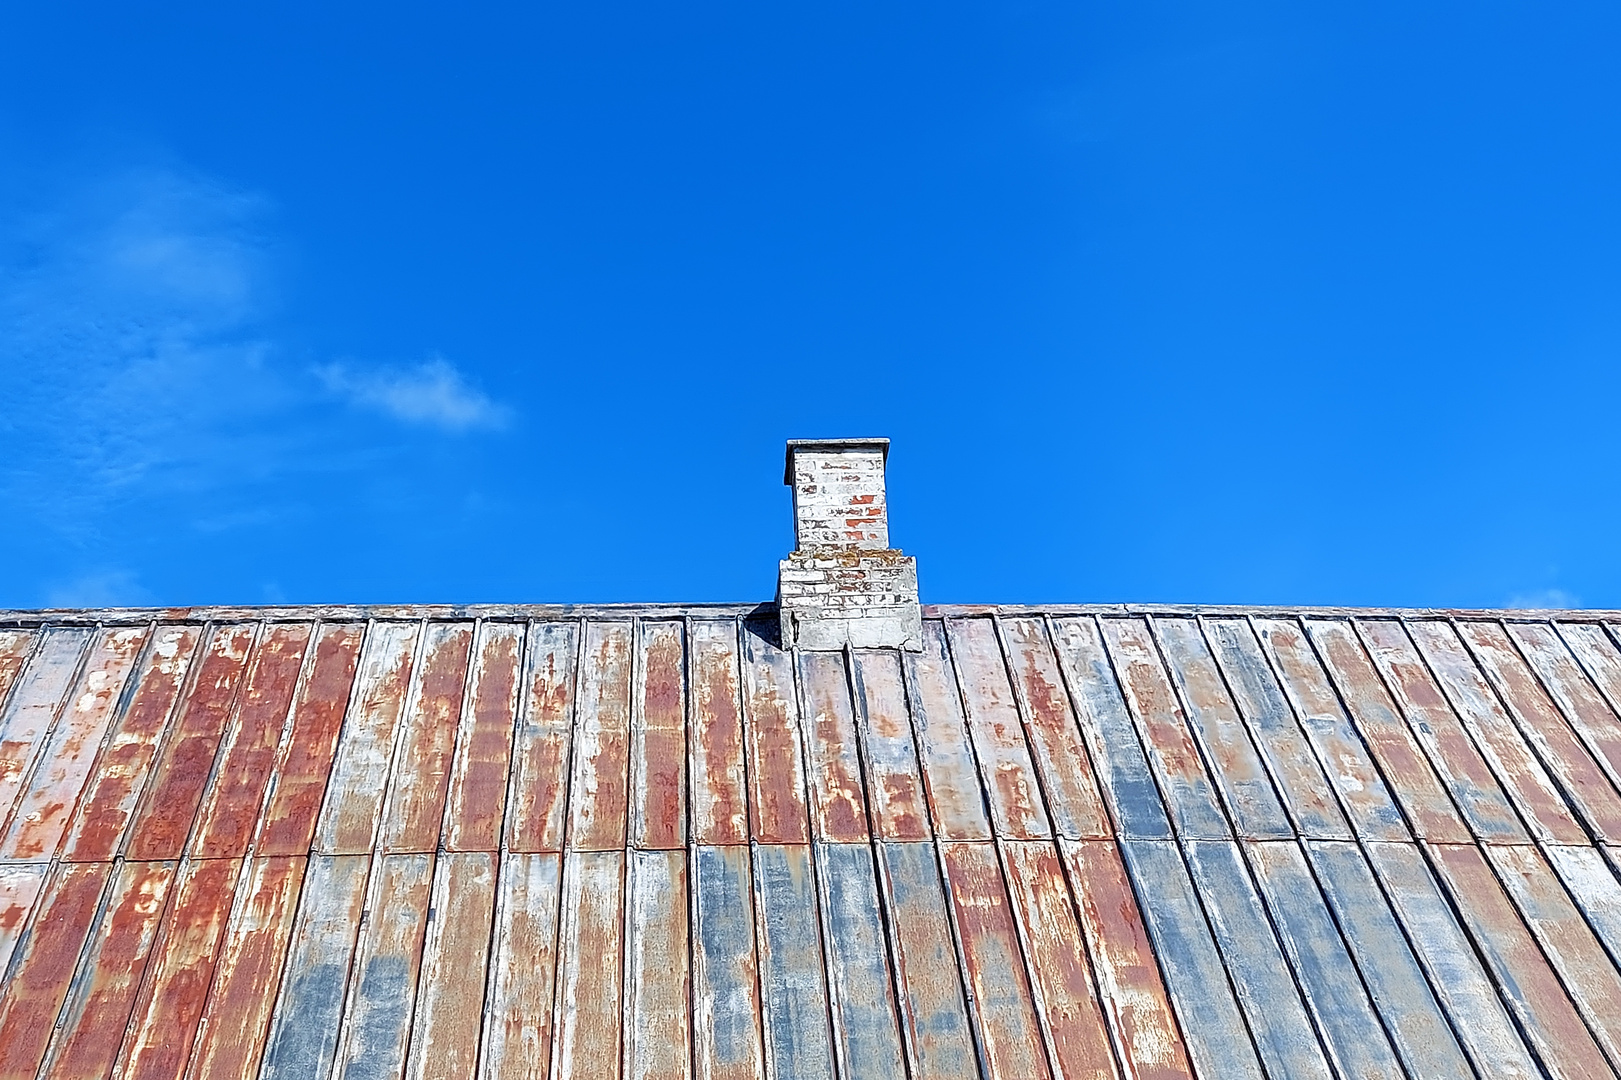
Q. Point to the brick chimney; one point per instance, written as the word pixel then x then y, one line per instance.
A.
pixel 843 584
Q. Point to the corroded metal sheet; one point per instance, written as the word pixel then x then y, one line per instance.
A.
pixel 895 795
pixel 1071 791
pixel 1234 763
pixel 37 700
pixel 421 777
pixel 776 770
pixel 304 758
pixel 1060 972
pixel 1515 764
pixel 1128 784
pixel 1132 992
pixel 658 739
pixel 478 782
pixel 247 976
pixel 92 1022
pixel 720 804
pixel 450 998
pixel 1000 998
pixel 1189 795
pixel 1339 747
pixel 598 800
pixel 121 772
pixel 1214 1030
pixel 68 758
pixel 950 778
pixel 838 808
pixel 934 1017
pixel 518 1022
pixel 1289 757
pixel 230 807
pixel 359 774
pixel 1451 750
pixel 181 774
pixel 44 962
pixel 1524 978
pixel 1406 769
pixel 590 977
pixel 170 1005
pixel 540 764
pixel 1584 780
pixel 658 986
pixel 565 843
pixel 1006 769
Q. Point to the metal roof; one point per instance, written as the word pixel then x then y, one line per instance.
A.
pixel 646 842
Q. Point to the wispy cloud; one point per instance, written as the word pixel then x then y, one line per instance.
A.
pixel 433 393
pixel 144 375
pixel 1544 600
pixel 101 588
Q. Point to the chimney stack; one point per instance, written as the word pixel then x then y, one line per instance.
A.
pixel 843 584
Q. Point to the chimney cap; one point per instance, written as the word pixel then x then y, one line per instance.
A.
pixel 830 446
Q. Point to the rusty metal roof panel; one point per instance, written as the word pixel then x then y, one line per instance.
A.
pixel 633 841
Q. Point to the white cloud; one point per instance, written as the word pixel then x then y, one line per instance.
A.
pixel 432 393
pixel 104 588
pixel 1544 600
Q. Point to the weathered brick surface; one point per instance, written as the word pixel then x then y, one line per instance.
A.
pixel 844 584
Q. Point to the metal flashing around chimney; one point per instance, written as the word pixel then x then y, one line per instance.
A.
pixel 843 584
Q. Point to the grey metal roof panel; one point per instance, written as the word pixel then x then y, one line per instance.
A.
pixel 643 840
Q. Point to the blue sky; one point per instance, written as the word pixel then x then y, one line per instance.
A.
pixel 1221 303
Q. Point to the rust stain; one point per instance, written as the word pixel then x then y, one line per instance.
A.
pixel 301 773
pixel 895 786
pixel 96 1014
pixel 838 809
pixel 1530 988
pixel 1345 758
pixel 422 774
pixel 359 775
pixel 659 740
pixel 1164 726
pixel 183 768
pixel 1438 727
pixel 44 813
pixel 98 826
pixel 599 790
pixel 1389 739
pixel 1584 779
pixel 1534 791
pixel 995 973
pixel 19 888
pixel 231 806
pixel 956 801
pixel 44 965
pixel 14 648
pixel 1058 964
pixel 540 769
pixel 720 811
pixel 776 777
pixel 1588 712
pixel 444 1037
pixel 171 1001
pixel 231 1039
pixel 1133 993
pixel 1055 735
pixel 478 787
pixel 997 732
